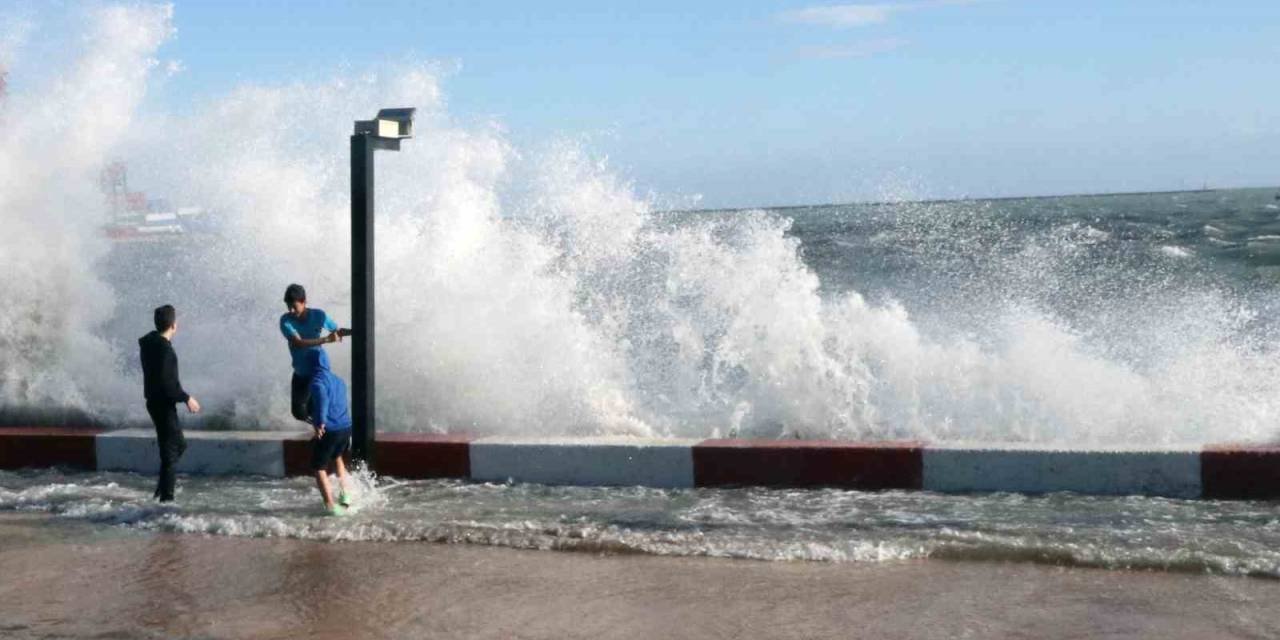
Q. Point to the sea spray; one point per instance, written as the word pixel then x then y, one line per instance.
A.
pixel 532 291
pixel 56 136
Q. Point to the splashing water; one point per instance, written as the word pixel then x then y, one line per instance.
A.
pixel 531 290
pixel 1197 536
pixel 49 207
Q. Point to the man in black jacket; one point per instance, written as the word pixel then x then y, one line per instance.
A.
pixel 163 390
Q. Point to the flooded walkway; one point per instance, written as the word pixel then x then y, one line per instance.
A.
pixel 82 580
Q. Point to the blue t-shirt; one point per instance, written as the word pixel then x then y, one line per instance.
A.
pixel 310 326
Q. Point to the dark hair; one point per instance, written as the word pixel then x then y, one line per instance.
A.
pixel 294 293
pixel 165 317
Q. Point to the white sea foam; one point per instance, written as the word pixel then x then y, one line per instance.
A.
pixel 1234 538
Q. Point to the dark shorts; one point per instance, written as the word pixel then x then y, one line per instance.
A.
pixel 328 448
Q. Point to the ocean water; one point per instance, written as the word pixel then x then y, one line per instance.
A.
pixel 1237 538
pixel 538 290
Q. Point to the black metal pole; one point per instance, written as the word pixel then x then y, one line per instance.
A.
pixel 362 290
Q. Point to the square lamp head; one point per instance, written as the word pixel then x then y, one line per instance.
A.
pixel 390 124
pixel 396 123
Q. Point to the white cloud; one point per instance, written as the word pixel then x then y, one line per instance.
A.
pixel 855 50
pixel 844 16
pixel 13 34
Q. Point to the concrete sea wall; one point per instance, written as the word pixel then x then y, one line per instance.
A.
pixel 1217 471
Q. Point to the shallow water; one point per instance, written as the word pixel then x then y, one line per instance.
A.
pixel 68 578
pixel 1199 536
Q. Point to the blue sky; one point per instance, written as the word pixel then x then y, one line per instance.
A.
pixel 754 103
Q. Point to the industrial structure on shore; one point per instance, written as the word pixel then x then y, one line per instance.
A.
pixel 132 216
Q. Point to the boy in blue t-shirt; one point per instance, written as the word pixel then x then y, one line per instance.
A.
pixel 304 329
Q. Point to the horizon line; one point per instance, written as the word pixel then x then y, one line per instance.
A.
pixel 880 203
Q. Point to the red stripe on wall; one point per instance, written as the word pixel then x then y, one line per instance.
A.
pixel 803 463
pixel 420 455
pixel 48 447
pixel 1240 472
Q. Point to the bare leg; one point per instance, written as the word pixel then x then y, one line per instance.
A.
pixel 342 476
pixel 322 482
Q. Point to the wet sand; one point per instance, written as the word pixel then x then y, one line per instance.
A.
pixel 78 580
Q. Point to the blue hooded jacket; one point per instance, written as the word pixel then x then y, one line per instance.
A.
pixel 328 403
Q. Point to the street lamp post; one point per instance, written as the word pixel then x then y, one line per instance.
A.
pixel 383 132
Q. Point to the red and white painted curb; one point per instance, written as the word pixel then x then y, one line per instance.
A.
pixel 1219 471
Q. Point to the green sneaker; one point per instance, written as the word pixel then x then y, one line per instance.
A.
pixel 344 499
pixel 338 510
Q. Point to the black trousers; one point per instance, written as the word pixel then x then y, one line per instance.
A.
pixel 172 445
pixel 300 394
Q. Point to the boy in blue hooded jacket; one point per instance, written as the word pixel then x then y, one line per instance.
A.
pixel 331 422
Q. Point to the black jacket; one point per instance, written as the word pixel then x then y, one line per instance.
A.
pixel 160 370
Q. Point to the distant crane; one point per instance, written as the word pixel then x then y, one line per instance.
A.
pixel 133 216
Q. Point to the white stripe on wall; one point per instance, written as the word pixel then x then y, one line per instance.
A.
pixel 208 452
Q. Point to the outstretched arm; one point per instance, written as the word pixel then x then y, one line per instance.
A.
pixel 332 325
pixel 299 342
